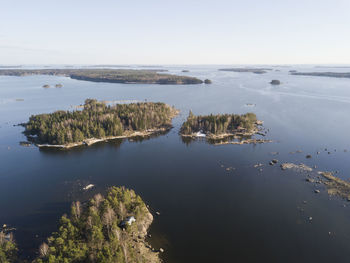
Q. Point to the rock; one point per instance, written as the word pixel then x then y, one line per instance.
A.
pixel 208 81
pixel 89 186
pixel 161 250
pixel 275 82
pixel 310 218
pixel 46 86
pixel 318 153
pixel 308 156
pixel 59 85
pixel 158 213
pixel 274 160
pixel 317 191
pixel 310 180
pixel 26 144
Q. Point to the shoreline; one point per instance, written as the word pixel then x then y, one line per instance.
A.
pixel 91 141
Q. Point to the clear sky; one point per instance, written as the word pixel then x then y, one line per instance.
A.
pixel 174 31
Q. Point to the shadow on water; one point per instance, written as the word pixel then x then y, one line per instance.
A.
pixel 228 139
pixel 115 143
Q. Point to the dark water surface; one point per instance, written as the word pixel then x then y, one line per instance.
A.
pixel 208 214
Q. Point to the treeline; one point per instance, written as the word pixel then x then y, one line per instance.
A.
pixel 8 248
pixel 218 124
pixel 109 75
pixel 98 120
pixel 97 231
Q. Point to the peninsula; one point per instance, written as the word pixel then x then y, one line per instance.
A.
pixel 323 74
pixel 217 127
pixel 98 121
pixel 252 70
pixel 144 76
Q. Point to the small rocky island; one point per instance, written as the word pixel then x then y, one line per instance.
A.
pixel 275 82
pixel 110 228
pixel 323 74
pixel 252 70
pixel 222 126
pixel 109 75
pixel 97 122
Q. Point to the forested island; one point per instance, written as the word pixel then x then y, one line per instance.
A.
pixel 252 70
pixel 98 121
pixel 323 74
pixel 217 127
pixel 109 75
pixel 109 229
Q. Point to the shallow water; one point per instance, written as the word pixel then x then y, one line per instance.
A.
pixel 208 214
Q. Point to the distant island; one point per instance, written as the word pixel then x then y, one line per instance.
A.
pixel 221 126
pixel 110 228
pixel 275 82
pixel 323 74
pixel 98 122
pixel 109 75
pixel 252 70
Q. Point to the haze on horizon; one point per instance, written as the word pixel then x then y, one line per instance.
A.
pixel 175 32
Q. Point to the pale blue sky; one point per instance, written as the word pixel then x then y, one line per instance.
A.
pixel 174 32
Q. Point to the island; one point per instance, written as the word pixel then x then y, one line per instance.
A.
pixel 252 70
pixel 215 128
pixel 323 74
pixel 144 76
pixel 110 228
pixel 275 82
pixel 97 122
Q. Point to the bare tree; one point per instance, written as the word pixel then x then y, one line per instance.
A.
pixel 108 218
pixel 44 250
pixel 98 199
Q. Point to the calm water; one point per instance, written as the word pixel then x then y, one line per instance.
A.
pixel 208 214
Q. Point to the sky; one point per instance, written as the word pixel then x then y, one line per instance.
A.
pixel 175 32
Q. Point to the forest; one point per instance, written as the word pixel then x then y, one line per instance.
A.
pixel 98 120
pixel 109 75
pixel 8 248
pixel 219 124
pixel 96 231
